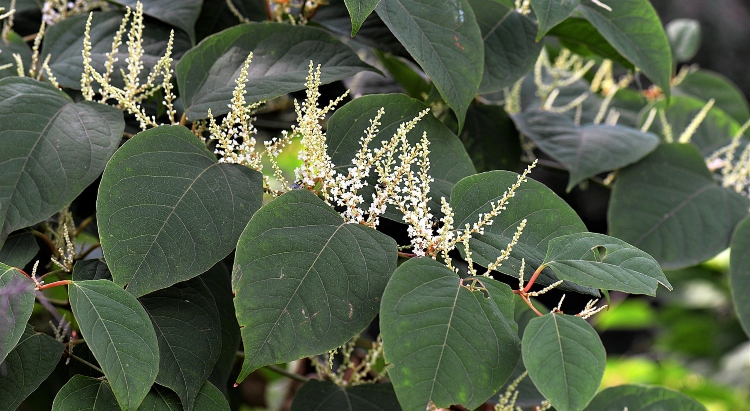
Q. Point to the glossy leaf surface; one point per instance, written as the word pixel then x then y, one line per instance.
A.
pixel 16 303
pixel 304 281
pixel 447 344
pixel 642 398
pixel 325 395
pixel 739 273
pixel 168 211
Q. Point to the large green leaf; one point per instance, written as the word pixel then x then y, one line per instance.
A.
pixel 304 281
pixel 547 215
pixel 449 161
pixel 16 304
pixel 705 85
pixel 446 343
pixel 53 149
pixel 160 399
pixel 359 10
pixel 120 335
pixel 91 270
pixel 216 15
pixel 26 367
pixel 82 393
pixel 582 38
pixel 739 273
pixel 188 329
pixel 168 211
pixel 633 28
pixel 282 53
pixel 19 249
pixel 509 47
pixel 182 14
pixel 219 282
pixel 565 359
pixel 642 398
pixel 63 42
pixel 584 150
pixel 550 13
pixel 669 206
pixel 599 261
pixel 325 395
pixel 210 398
pixel 491 138
pixel 444 38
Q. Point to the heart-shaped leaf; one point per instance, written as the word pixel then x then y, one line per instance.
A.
pixel 446 343
pixel 188 329
pixel 550 13
pixel 444 38
pixel 119 333
pixel 547 215
pixel 670 206
pixel 599 261
pixel 633 28
pixel 55 149
pixel 168 211
pixel 16 304
pixel 509 47
pixel 565 359
pixel 642 398
pixel 26 367
pixel 302 275
pixel 584 150
pixel 182 14
pixel 739 272
pixel 325 395
pixel 206 75
pixel 359 10
pixel 19 249
pixel 705 85
pixel 85 393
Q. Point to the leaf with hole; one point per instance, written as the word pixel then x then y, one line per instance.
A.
pixel 304 281
pixel 119 332
pixel 168 211
pixel 447 343
pixel 325 395
pixel 565 359
pixel 16 304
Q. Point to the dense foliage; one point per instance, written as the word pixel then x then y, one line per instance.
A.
pixel 181 208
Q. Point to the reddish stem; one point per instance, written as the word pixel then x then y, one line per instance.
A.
pixel 54 284
pixel 533 278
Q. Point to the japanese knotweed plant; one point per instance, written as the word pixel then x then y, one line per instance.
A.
pixel 148 152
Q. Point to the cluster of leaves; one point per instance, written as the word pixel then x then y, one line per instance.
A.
pixel 158 321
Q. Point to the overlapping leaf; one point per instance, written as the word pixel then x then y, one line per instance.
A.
pixel 491 138
pixel 446 343
pixel 188 329
pixel 325 395
pixel 584 150
pixel 91 270
pixel 14 44
pixel 26 367
pixel 182 14
pixel 445 39
pixel 207 75
pixel 85 393
pixel 739 273
pixel 304 281
pixel 53 149
pixel 160 399
pixel 168 211
pixel 565 359
pixel 19 249
pixel 705 85
pixel 359 10
pixel 642 398
pixel 119 332
pixel 582 38
pixel 210 398
pixel 669 206
pixel 550 13
pixel 16 304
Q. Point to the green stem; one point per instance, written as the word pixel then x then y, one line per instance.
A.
pixel 285 373
pixel 82 361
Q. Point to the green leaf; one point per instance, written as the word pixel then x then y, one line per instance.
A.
pixel 19 249
pixel 21 5
pixel 739 273
pixel 302 275
pixel 584 150
pixel 510 51
pixel 160 399
pixel 705 85
pixel 91 270
pixel 633 28
pixel 85 394
pixel 188 328
pixel 548 216
pixel 26 367
pixel 446 343
pixel 120 335
pixel 550 13
pixel 14 44
pixel 449 161
pixel 642 398
pixel 182 14
pixel 415 86
pixel 216 16
pixel 325 395
pixel 53 149
pixel 210 398
pixel 219 282
pixel 565 359
pixel 359 10
pixel 63 43
pixel 684 38
pixel 599 261
pixel 582 38
pixel 168 211
pixel 444 38
pixel 206 75
pixel 670 206
pixel 491 138
pixel 16 304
